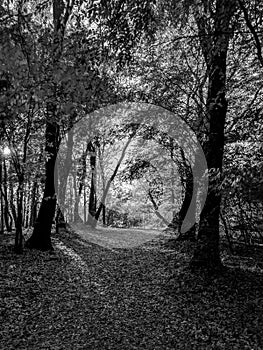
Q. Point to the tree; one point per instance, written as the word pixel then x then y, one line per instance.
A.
pixel 92 197
pixel 99 17
pixel 40 238
pixel 214 42
pixel 132 130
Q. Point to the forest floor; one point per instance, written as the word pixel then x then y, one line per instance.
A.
pixel 91 294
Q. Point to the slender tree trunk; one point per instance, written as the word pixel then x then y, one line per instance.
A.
pixel 92 194
pixel 26 206
pixel 33 209
pixel 104 215
pixel 19 239
pixel 63 179
pixel 156 209
pixel 85 202
pixel 104 222
pixel 2 215
pixel 77 194
pixel 92 200
pixel 1 198
pixel 82 179
pixel 104 195
pixel 5 194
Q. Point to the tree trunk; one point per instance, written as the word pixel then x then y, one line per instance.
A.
pixel 92 194
pixel 33 209
pixel 77 193
pixel 19 239
pixel 63 179
pixel 190 234
pixel 156 209
pixel 85 202
pixel 104 221
pixel 7 216
pixel 1 198
pixel 92 200
pixel 82 179
pixel 41 237
pixel 207 255
pixel 187 180
pixel 104 195
pixel 104 215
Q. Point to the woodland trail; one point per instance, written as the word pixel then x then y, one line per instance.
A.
pixel 85 296
pixel 120 238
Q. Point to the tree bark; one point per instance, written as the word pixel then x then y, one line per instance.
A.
pixel 41 237
pixel 33 208
pixel 175 226
pixel 4 190
pixel 63 179
pixel 19 239
pixel 1 198
pixel 92 195
pixel 207 255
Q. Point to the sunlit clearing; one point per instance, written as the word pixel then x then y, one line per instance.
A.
pixel 6 151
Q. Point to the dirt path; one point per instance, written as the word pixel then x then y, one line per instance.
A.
pixel 117 238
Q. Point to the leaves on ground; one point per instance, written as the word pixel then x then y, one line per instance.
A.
pixel 85 296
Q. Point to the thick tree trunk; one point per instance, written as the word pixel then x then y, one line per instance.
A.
pixel 207 255
pixel 41 237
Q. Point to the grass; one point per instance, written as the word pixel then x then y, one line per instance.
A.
pixel 85 296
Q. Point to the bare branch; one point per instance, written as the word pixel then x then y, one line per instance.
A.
pixel 252 30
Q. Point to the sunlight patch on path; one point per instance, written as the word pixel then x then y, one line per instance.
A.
pixel 111 238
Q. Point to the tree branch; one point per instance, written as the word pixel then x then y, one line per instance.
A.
pixel 252 30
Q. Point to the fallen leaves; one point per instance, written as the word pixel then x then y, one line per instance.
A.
pixel 89 297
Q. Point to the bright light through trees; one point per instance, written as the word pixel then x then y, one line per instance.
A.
pixel 6 151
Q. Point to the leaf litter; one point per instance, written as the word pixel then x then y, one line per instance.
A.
pixel 85 296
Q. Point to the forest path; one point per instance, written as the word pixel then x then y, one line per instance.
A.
pixel 117 238
pixel 87 296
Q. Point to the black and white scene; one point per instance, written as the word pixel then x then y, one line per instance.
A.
pixel 131 174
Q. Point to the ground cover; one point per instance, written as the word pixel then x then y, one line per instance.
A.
pixel 85 296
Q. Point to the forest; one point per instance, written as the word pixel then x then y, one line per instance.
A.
pixel 131 173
